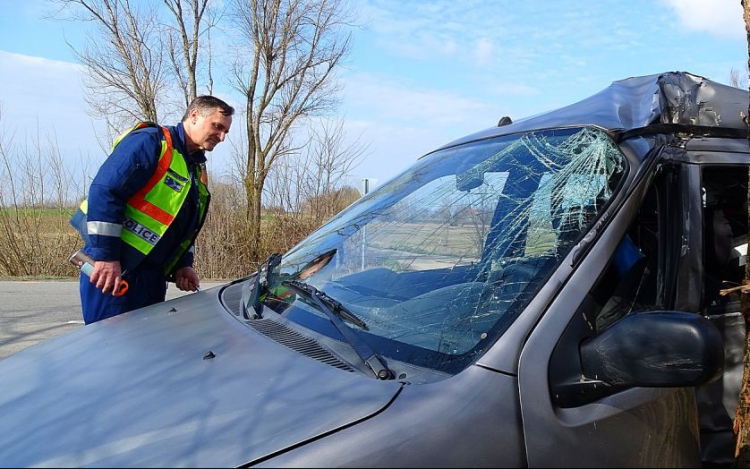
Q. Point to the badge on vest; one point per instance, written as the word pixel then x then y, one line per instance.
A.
pixel 173 184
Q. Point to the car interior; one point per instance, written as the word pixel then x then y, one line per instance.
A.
pixel 725 248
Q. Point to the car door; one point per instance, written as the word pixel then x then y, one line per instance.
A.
pixel 568 421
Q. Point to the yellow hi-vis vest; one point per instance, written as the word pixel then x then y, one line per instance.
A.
pixel 150 212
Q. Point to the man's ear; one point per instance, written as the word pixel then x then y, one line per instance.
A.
pixel 193 116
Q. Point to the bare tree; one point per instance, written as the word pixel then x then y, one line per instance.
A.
pixel 742 419
pixel 35 205
pixel 123 58
pixel 738 79
pixel 313 182
pixel 128 57
pixel 183 44
pixel 283 191
pixel 329 160
pixel 288 51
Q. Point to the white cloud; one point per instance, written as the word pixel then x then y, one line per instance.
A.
pixel 507 37
pixel 484 52
pixel 393 148
pixel 513 89
pixel 394 101
pixel 721 18
pixel 404 122
pixel 44 98
pixel 432 30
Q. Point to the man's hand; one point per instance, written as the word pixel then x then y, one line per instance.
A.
pixel 186 279
pixel 106 276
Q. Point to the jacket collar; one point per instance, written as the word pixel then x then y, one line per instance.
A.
pixel 180 144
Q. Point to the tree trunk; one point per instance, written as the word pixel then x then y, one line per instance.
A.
pixel 254 207
pixel 742 419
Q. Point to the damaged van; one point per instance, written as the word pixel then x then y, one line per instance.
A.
pixel 555 291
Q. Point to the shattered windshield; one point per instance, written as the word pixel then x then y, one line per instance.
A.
pixel 441 260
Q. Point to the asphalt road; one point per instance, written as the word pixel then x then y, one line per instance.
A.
pixel 33 311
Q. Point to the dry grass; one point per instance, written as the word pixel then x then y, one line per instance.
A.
pixel 36 242
pixel 222 247
pixel 38 195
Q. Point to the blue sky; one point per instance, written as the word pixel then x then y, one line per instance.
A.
pixel 421 73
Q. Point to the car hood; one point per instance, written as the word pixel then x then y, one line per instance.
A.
pixel 139 390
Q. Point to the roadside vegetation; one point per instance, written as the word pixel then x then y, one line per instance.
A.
pixel 40 193
pixel 292 159
pixel 34 209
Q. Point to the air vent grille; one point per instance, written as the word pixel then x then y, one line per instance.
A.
pixel 232 298
pixel 297 342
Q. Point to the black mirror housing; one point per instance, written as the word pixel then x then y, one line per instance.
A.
pixel 655 349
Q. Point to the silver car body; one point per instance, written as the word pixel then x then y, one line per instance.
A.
pixel 201 382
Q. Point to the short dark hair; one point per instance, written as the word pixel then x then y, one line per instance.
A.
pixel 206 105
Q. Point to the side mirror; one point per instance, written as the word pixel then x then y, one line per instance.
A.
pixel 648 349
pixel 655 349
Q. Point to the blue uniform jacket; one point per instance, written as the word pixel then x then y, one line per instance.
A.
pixel 123 174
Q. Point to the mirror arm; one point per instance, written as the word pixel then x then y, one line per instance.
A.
pixel 585 391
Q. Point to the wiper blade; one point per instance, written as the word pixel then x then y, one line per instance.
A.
pixel 262 280
pixel 340 310
pixel 336 312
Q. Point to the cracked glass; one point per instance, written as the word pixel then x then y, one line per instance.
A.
pixel 441 260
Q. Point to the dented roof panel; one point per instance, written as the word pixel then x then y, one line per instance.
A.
pixel 636 103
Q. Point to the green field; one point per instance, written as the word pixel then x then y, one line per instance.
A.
pixel 37 212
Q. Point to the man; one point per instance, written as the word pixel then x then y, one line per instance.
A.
pixel 145 208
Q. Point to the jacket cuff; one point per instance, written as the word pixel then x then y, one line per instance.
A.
pixel 104 248
pixel 186 261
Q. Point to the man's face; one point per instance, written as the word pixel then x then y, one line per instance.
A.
pixel 204 133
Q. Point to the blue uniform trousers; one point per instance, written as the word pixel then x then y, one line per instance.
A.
pixel 148 286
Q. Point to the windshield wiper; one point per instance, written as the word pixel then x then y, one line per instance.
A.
pixel 336 312
pixel 340 310
pixel 262 280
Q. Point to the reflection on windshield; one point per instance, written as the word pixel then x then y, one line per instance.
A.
pixel 442 259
